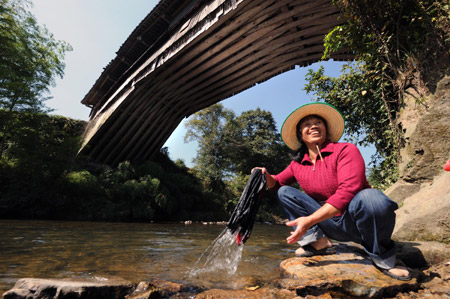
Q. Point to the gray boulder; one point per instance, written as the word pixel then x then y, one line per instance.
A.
pixel 34 288
pixel 425 215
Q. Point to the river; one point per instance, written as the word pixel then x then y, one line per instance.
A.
pixel 133 251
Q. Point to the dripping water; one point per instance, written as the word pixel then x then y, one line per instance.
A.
pixel 222 255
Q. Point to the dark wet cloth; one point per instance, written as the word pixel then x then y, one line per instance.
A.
pixel 244 213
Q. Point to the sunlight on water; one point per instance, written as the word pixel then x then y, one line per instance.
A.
pixel 139 252
pixel 222 255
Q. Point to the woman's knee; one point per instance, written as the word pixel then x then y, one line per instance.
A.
pixel 285 193
pixel 373 200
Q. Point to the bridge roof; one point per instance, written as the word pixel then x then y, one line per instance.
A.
pixel 187 55
pixel 151 32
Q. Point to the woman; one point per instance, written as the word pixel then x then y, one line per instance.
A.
pixel 338 202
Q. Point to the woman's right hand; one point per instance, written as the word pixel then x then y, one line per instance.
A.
pixel 263 169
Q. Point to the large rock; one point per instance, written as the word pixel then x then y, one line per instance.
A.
pixel 249 293
pixel 347 274
pixel 435 284
pixel 426 214
pixel 436 280
pixel 159 288
pixel 426 130
pixel 422 254
pixel 34 288
pixel 423 193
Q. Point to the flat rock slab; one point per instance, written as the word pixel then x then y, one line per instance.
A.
pixel 30 288
pixel 260 293
pixel 436 280
pixel 345 274
pixel 158 288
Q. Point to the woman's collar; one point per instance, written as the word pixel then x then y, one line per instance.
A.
pixel 327 147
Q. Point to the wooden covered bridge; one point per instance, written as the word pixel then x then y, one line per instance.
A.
pixel 189 54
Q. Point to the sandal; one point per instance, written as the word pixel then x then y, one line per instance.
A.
pixel 398 277
pixel 311 251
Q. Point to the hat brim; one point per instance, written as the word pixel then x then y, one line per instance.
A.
pixel 335 122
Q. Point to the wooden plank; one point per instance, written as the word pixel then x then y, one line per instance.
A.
pixel 255 52
pixel 260 38
pixel 263 29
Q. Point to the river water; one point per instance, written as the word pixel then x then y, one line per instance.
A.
pixel 133 251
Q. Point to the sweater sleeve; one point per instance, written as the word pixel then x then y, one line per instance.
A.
pixel 350 175
pixel 286 177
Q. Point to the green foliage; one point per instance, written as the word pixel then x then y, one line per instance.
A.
pixel 38 150
pixel 30 58
pixel 207 127
pixel 393 32
pixel 230 146
pixel 398 45
pixel 358 93
pixel 252 140
pixel 41 178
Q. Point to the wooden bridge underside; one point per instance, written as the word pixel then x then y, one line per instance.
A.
pixel 174 65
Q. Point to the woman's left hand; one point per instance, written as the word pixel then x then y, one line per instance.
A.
pixel 302 225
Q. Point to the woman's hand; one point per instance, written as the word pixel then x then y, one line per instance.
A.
pixel 263 169
pixel 270 181
pixel 302 225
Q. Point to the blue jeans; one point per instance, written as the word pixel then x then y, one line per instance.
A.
pixel 369 221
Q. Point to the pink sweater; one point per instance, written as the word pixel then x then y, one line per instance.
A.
pixel 336 180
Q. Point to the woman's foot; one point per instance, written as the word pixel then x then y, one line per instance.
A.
pixel 398 272
pixel 323 246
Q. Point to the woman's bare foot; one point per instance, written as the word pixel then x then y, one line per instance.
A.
pixel 318 245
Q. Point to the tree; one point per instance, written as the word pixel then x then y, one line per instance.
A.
pixel 357 94
pixel 207 127
pixel 30 59
pixel 229 147
pixel 253 140
pixel 398 45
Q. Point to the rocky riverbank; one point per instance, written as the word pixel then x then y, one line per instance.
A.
pixel 348 274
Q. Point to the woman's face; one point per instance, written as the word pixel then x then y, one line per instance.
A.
pixel 313 130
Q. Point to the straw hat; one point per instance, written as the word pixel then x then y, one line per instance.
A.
pixel 334 119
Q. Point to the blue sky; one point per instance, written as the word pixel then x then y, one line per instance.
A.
pixel 96 30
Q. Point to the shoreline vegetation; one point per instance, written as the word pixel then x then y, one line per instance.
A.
pixel 41 178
